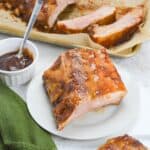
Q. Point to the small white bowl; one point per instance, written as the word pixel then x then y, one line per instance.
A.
pixel 14 78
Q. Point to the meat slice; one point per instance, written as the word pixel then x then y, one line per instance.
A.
pixel 123 143
pixel 60 6
pixel 104 15
pixel 120 31
pixel 49 12
pixel 82 80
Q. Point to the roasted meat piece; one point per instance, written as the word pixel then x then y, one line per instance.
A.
pixel 102 16
pixel 60 6
pixel 48 15
pixel 119 31
pixel 82 80
pixel 123 143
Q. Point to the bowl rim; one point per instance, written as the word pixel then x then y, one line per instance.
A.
pixel 28 67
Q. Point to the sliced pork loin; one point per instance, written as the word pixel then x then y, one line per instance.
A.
pixel 119 31
pixel 49 12
pixel 103 15
pixel 80 81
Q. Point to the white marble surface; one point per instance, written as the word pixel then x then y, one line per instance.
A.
pixel 138 66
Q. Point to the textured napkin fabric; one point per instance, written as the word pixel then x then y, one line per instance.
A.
pixel 17 130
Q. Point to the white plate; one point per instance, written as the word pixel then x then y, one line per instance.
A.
pixel 109 121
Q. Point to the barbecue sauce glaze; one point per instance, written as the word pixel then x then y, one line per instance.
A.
pixel 10 62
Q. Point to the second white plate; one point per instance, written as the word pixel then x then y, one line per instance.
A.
pixel 109 121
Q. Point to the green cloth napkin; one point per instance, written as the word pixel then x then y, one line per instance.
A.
pixel 17 130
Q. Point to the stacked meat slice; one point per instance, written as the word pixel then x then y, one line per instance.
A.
pixel 119 31
pixel 102 25
pixel 104 15
pixel 107 35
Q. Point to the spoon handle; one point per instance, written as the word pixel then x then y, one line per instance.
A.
pixel 32 20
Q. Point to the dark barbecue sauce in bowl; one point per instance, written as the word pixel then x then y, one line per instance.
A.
pixel 9 61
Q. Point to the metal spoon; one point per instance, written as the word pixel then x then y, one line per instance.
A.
pixel 32 20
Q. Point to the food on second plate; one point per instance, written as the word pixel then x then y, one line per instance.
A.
pixel 104 15
pixel 82 80
pixel 10 61
pixel 123 143
pixel 119 31
pixel 48 15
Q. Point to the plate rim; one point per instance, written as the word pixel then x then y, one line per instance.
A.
pixel 124 129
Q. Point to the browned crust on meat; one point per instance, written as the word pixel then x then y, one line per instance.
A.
pixel 119 37
pixel 70 81
pixel 116 39
pixel 62 28
pixel 123 143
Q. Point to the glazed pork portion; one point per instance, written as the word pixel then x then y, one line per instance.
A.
pixel 104 15
pixel 119 31
pixel 80 81
pixel 123 143
pixel 49 12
